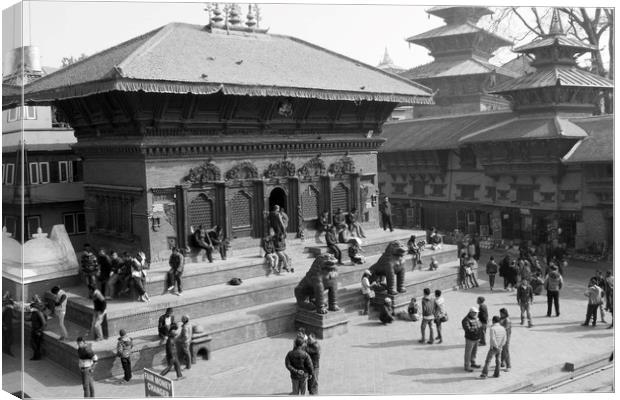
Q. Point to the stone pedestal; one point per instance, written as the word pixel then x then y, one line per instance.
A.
pixel 400 301
pixel 322 325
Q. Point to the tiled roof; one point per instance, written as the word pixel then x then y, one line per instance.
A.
pixel 562 75
pixel 184 58
pixel 528 128
pixel 442 11
pixel 445 68
pixel 562 40
pixel 599 145
pixel 454 30
pixel 437 132
pixel 520 65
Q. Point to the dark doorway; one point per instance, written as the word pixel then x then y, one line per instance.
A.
pixel 277 196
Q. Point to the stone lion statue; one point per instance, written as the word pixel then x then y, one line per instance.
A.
pixel 322 276
pixel 389 264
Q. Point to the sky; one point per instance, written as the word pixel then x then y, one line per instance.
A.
pixel 360 31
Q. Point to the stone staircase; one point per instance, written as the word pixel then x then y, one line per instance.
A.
pixel 263 305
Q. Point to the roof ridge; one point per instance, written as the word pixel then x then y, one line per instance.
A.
pixel 77 63
pixel 470 135
pixel 472 114
pixel 161 34
pixel 358 62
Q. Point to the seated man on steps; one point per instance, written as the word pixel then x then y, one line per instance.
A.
pixel 203 241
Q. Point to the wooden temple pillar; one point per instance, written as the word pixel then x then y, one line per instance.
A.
pixel 325 184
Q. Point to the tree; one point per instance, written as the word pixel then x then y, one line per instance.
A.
pixel 590 25
pixel 66 61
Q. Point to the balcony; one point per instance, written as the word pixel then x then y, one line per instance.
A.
pixel 43 193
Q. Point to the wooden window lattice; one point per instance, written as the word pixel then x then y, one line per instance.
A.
pixel 201 212
pixel 240 213
pixel 310 203
pixel 340 197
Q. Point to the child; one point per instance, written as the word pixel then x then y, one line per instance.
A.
pixel 434 264
pixel 355 249
pixel 469 273
pixel 123 351
pixel 367 291
pixel 413 310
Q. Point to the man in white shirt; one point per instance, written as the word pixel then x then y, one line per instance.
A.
pixel 497 340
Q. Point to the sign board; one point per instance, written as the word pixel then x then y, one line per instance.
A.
pixel 156 385
pixel 158 207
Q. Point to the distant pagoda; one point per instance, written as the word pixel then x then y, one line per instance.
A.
pixel 461 74
pixel 558 85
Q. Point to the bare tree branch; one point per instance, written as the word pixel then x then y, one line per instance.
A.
pixel 525 22
pixel 538 22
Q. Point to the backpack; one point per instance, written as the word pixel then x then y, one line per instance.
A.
pixel 235 281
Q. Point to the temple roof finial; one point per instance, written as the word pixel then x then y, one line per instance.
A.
pixel 386 58
pixel 556 24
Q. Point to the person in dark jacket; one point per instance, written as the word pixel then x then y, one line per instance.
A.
pixel 7 326
pixel 525 297
pixel 471 326
pixel 89 266
pixel 507 324
pixel 385 208
pixel 99 312
pixel 483 317
pixel 86 361
pixel 504 270
pixel 492 269
pixel 105 269
pixel 203 241
pixel 338 220
pixel 428 316
pixel 124 346
pixel 163 325
pixel 314 351
pixel 117 276
pixel 386 315
pixel 332 244
pixel 172 358
pixel 173 276
pixel 37 325
pixel 299 364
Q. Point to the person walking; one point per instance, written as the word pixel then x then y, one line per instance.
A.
pixel 37 326
pixel 553 285
pixel 172 358
pixel 492 269
pixel 173 276
pixel 385 208
pixel 86 361
pixel 299 364
pixel 185 341
pixel 60 309
pixel 441 315
pixel 99 310
pixel 124 346
pixel 314 351
pixel 428 316
pixel 595 297
pixel 483 317
pixel 332 244
pixel 366 291
pixel 471 326
pixel 525 297
pixel 507 324
pixel 164 324
pixel 497 340
pixel 7 325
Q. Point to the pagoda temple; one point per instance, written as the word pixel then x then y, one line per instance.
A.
pixel 192 125
pixel 542 170
pixel 460 74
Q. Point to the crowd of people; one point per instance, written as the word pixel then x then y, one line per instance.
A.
pixel 343 228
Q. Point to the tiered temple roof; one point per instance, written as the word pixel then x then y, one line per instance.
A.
pixel 183 58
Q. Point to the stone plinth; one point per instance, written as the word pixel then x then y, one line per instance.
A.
pixel 322 325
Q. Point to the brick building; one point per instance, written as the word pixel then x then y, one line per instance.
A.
pixel 514 174
pixel 189 125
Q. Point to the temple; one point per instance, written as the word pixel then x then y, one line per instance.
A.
pixel 542 171
pixel 193 125
pixel 460 75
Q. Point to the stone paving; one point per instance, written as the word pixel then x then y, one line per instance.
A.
pixel 371 358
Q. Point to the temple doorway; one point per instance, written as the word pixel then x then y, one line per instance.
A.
pixel 278 197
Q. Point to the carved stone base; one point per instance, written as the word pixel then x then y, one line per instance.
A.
pixel 322 325
pixel 399 301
